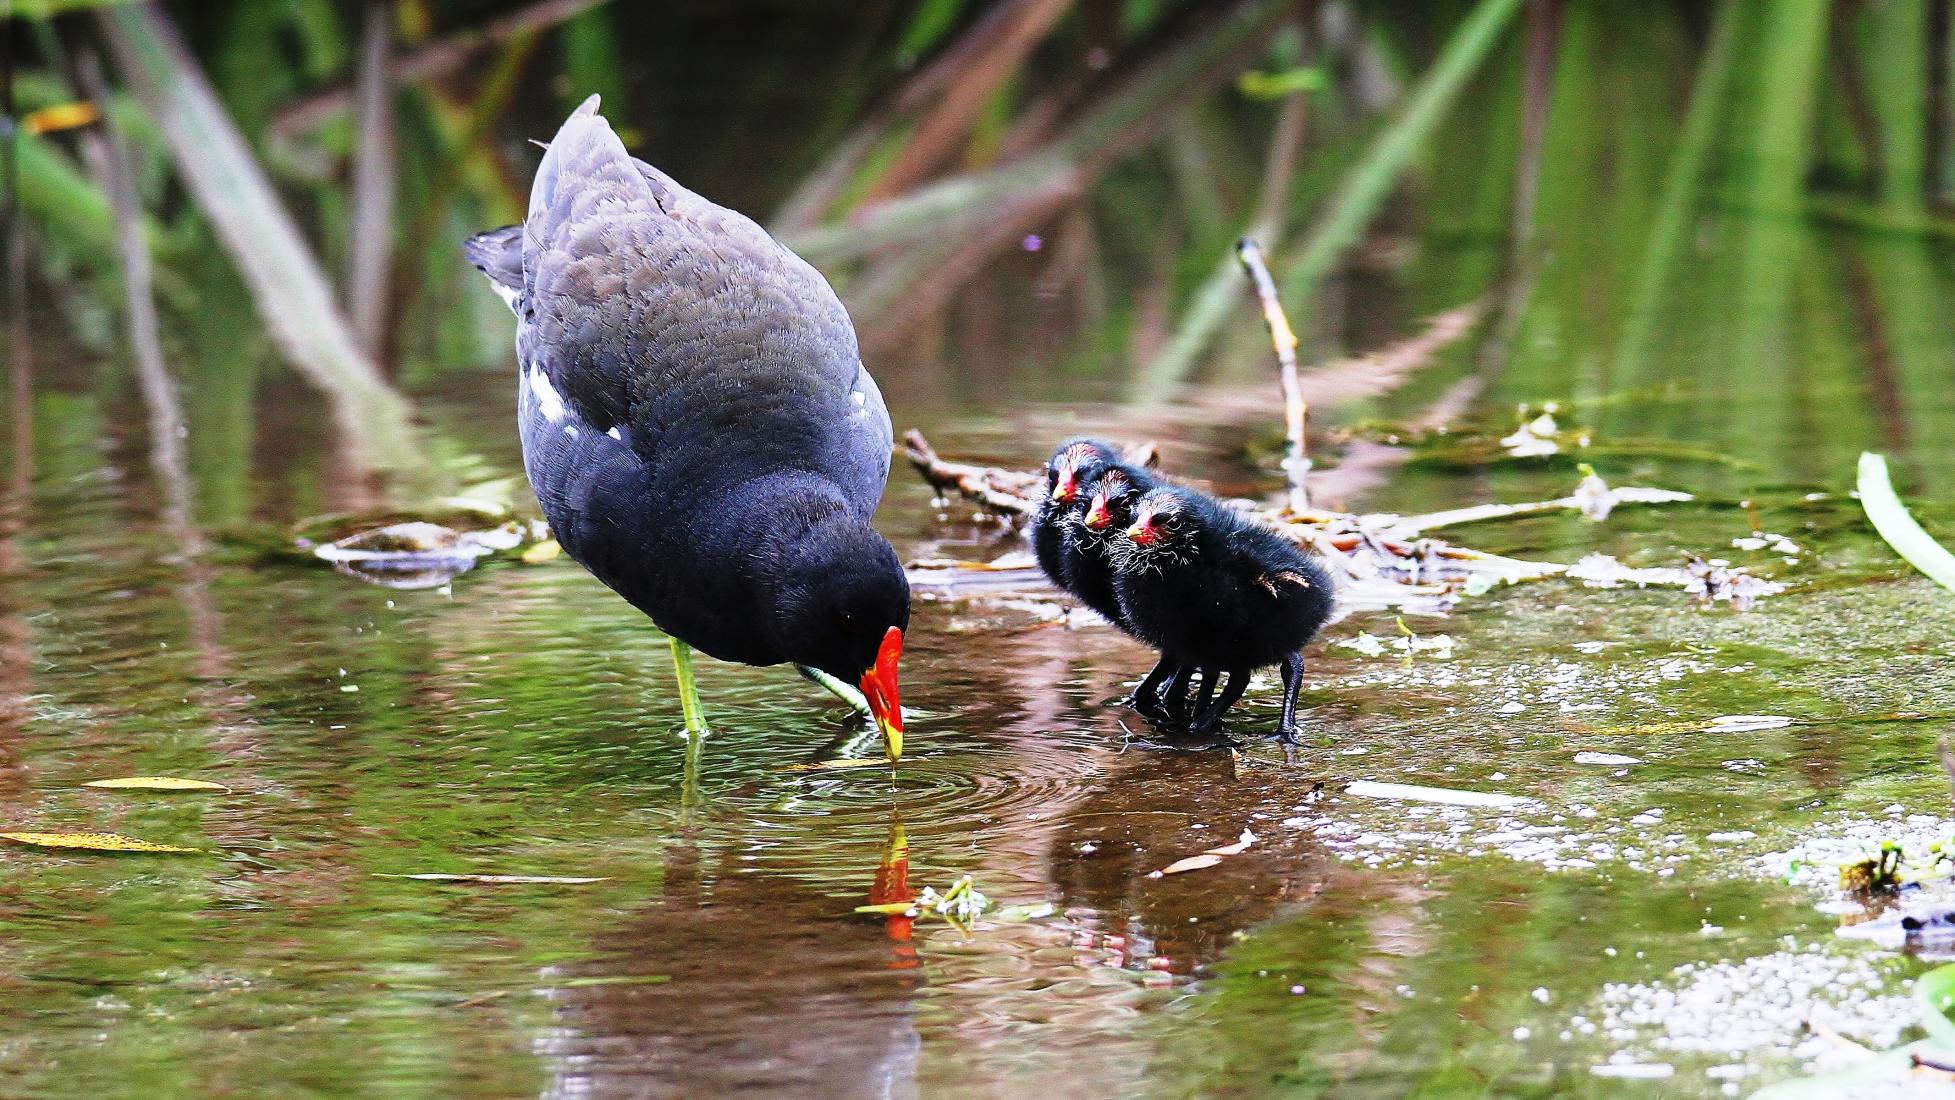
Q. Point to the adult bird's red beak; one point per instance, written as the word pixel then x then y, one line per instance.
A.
pixel 880 689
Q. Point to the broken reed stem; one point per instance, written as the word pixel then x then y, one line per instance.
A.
pixel 999 492
pixel 1296 463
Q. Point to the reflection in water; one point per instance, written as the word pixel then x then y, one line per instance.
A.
pixel 1158 807
pixel 740 984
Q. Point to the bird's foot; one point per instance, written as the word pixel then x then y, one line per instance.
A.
pixel 1205 726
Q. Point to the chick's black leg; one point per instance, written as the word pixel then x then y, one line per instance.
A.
pixel 1210 719
pixel 1286 731
pixel 1147 698
pixel 1207 693
pixel 1174 697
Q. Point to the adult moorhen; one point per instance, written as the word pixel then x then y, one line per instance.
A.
pixel 1216 591
pixel 697 423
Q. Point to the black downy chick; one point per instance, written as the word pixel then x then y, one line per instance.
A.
pixel 1089 567
pixel 1058 529
pixel 1216 591
pixel 1069 478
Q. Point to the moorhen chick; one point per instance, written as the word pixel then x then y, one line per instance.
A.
pixel 697 422
pixel 1070 475
pixel 1216 591
pixel 1075 558
pixel 1089 566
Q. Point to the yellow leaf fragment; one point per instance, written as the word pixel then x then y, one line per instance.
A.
pixel 61 116
pixel 547 550
pixel 94 842
pixel 156 783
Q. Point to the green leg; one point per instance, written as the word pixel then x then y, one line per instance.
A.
pixel 863 744
pixel 688 689
pixel 838 689
pixel 689 796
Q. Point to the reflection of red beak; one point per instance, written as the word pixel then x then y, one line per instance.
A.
pixel 880 689
pixel 1097 517
pixel 1143 532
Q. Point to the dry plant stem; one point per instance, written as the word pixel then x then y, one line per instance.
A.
pixel 815 195
pixel 940 131
pixel 1296 463
pixel 287 286
pixel 370 229
pixel 997 490
pixel 436 60
pixel 1214 302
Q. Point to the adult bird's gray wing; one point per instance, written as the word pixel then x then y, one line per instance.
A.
pixel 714 346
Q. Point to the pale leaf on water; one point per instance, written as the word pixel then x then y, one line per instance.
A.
pixel 1890 517
pixel 1209 858
pixel 619 979
pixel 503 880
pixel 835 765
pixel 1240 846
pixel 93 842
pixel 1192 863
pixel 1445 796
pixel 156 783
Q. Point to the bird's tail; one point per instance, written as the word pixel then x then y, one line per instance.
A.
pixel 498 253
pixel 585 152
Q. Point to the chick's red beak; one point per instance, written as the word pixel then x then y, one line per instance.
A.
pixel 1066 486
pixel 1143 532
pixel 879 687
pixel 1097 517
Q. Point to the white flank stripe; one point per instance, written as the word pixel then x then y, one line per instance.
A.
pixel 547 400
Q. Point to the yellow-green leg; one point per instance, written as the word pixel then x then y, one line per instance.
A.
pixel 688 689
pixel 837 688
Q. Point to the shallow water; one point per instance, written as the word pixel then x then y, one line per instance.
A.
pixel 521 721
